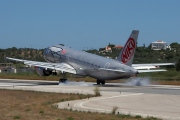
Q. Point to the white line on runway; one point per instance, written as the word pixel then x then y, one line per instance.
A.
pixel 82 106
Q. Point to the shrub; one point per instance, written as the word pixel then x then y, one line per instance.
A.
pixel 96 91
pixel 16 117
pixel 115 108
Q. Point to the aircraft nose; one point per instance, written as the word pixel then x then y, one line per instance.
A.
pixel 47 54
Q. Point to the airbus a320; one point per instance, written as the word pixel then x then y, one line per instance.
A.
pixel 68 60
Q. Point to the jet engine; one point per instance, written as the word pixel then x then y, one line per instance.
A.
pixel 43 72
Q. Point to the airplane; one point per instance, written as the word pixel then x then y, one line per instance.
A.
pixel 68 60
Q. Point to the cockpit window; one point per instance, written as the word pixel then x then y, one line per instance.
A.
pixel 55 49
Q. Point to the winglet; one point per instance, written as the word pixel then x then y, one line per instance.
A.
pixel 126 55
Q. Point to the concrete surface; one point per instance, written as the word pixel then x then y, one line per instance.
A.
pixel 152 100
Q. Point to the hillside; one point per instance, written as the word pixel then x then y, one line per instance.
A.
pixel 145 55
pixel 142 54
pixel 21 53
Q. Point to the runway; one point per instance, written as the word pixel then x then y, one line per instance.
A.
pixel 152 100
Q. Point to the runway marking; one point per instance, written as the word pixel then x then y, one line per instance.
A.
pixel 82 106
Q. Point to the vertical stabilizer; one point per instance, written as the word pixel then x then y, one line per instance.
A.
pixel 126 55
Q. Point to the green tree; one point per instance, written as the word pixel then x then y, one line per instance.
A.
pixel 101 49
pixel 174 45
pixel 111 45
pixel 144 46
pixel 149 47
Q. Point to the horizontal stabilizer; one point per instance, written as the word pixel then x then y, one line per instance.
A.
pixel 144 67
pixel 159 70
pixel 152 64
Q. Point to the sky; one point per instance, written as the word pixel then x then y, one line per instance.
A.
pixel 87 24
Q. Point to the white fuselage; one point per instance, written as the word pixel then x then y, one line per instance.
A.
pixel 89 64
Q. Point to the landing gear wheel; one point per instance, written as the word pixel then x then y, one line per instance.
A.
pixel 62 80
pixel 54 73
pixel 103 82
pixel 98 82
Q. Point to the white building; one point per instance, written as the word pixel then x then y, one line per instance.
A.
pixel 159 45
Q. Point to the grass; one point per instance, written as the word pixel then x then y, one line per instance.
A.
pixel 29 105
pixel 169 75
pixel 16 117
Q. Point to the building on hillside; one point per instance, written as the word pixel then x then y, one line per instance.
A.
pixel 118 47
pixel 108 49
pixel 6 65
pixel 159 45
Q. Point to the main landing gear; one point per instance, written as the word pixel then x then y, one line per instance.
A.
pixel 100 82
pixel 63 79
pixel 54 73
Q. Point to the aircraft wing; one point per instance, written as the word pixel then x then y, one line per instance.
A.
pixel 149 66
pixel 54 66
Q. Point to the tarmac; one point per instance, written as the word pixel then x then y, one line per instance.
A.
pixel 160 101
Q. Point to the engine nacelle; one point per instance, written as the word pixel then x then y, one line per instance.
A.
pixel 43 72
